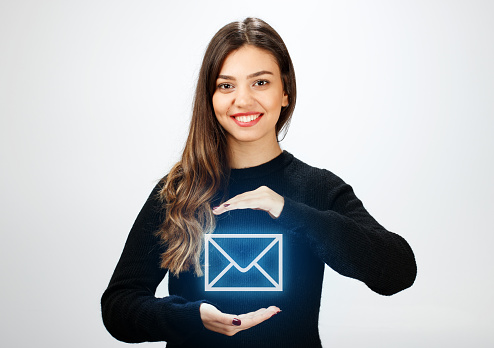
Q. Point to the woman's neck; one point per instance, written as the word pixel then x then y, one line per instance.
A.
pixel 251 154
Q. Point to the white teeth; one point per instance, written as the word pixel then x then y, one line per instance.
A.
pixel 247 118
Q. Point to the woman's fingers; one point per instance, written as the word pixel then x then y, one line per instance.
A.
pixel 257 317
pixel 263 198
pixel 229 324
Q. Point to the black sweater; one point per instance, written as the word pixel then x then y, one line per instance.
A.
pixel 322 222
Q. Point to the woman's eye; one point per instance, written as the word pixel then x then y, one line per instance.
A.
pixel 225 86
pixel 261 83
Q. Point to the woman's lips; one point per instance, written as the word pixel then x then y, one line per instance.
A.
pixel 247 119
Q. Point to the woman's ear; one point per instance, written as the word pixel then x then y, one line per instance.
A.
pixel 284 101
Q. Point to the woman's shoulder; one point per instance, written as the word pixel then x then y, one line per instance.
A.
pixel 312 173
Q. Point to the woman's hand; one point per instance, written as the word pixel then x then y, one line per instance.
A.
pixel 262 198
pixel 229 324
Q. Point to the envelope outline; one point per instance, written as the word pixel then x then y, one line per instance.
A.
pixel 277 239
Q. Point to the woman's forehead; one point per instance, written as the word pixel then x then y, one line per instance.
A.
pixel 249 60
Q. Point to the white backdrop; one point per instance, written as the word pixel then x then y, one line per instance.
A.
pixel 396 97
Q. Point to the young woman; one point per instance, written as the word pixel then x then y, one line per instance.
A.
pixel 235 183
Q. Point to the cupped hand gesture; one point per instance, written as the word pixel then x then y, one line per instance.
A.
pixel 262 198
pixel 229 324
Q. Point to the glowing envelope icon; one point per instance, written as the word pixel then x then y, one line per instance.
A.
pixel 243 262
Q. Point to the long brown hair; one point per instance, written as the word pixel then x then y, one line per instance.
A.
pixel 203 170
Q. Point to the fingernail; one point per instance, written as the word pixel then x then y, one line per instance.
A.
pixel 214 208
pixel 236 322
pixel 226 205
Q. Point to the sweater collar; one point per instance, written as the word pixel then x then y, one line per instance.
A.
pixel 277 163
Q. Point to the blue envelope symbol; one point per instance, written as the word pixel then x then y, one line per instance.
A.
pixel 243 262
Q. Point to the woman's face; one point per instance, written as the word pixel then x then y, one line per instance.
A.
pixel 249 95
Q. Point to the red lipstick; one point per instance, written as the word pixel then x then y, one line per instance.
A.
pixel 247 119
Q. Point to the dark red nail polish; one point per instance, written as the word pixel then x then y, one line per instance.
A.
pixel 236 322
pixel 214 208
pixel 226 205
pixel 275 313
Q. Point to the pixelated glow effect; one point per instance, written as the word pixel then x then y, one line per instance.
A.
pixel 243 262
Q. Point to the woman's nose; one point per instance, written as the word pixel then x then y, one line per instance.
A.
pixel 243 97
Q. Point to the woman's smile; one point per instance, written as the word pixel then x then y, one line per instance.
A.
pixel 247 119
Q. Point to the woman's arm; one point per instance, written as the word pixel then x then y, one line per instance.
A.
pixel 131 312
pixel 345 236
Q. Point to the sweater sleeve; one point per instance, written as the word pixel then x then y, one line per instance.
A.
pixel 130 310
pixel 349 240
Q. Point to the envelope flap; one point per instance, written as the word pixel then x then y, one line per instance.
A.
pixel 243 250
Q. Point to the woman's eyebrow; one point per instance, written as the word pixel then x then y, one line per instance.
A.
pixel 259 73
pixel 226 77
